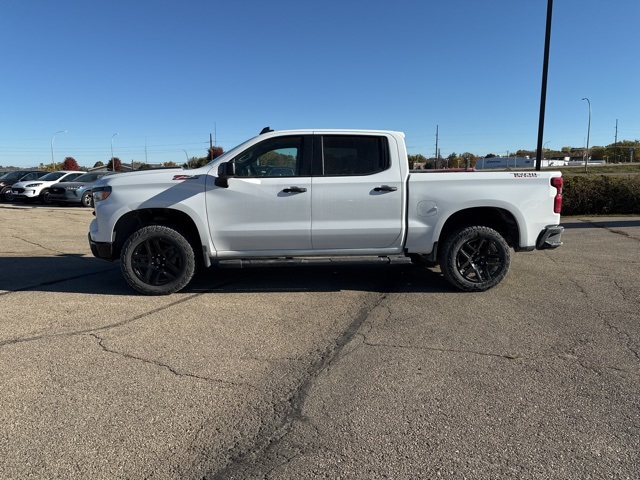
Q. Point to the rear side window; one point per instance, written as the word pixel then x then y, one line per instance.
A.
pixel 354 154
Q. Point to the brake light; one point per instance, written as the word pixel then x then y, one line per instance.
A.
pixel 556 182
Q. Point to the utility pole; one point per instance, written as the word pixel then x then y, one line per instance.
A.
pixel 615 145
pixel 436 161
pixel 210 147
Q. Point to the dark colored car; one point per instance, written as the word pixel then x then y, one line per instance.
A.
pixel 15 176
pixel 77 191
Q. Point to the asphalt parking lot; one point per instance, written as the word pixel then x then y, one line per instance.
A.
pixel 361 372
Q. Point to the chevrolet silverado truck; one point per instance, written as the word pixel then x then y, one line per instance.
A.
pixel 302 196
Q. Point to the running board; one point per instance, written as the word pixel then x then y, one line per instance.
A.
pixel 310 261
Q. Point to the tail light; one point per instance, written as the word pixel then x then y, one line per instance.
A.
pixel 556 182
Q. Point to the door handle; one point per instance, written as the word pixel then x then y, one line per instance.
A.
pixel 385 188
pixel 295 190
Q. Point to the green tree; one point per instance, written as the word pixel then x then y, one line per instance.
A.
pixel 98 164
pixel 417 161
pixel 469 159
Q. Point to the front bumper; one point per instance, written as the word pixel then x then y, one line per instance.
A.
pixel 103 250
pixel 550 237
pixel 21 193
pixel 63 198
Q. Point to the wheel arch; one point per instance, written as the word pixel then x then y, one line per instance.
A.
pixel 176 219
pixel 499 219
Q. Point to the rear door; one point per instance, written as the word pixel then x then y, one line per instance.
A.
pixel 357 195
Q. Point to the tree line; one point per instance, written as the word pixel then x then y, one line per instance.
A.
pixel 115 164
pixel 620 152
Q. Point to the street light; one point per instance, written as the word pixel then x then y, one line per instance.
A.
pixel 588 132
pixel 53 162
pixel 113 166
pixel 187 155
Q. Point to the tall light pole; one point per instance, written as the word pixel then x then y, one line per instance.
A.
pixel 113 167
pixel 187 155
pixel 543 93
pixel 588 132
pixel 53 162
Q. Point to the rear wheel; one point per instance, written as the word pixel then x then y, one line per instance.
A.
pixel 157 260
pixel 475 259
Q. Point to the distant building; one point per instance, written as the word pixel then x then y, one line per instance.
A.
pixel 516 162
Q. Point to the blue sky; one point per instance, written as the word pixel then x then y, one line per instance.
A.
pixel 166 74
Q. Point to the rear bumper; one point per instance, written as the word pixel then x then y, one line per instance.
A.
pixel 550 237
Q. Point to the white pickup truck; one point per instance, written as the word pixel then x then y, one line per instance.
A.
pixel 308 195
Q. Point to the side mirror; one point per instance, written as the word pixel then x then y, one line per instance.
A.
pixel 226 170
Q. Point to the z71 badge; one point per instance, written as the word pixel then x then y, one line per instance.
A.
pixel 185 177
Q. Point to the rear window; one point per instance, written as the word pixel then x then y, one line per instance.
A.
pixel 354 154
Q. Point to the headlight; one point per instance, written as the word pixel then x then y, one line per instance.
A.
pixel 101 193
pixel 73 189
pixel 33 185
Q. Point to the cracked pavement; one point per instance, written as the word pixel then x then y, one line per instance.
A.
pixel 318 372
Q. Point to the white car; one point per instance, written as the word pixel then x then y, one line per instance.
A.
pixel 32 190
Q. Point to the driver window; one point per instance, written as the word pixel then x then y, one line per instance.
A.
pixel 276 157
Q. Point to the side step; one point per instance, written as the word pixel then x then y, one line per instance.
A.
pixel 311 261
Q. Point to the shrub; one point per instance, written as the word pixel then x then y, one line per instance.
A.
pixel 601 195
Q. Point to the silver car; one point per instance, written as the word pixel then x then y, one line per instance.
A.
pixel 76 192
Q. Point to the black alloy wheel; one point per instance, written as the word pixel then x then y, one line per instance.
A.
pixel 475 258
pixel 157 260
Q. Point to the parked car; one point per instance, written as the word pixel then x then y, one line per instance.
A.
pixel 76 191
pixel 10 178
pixel 29 191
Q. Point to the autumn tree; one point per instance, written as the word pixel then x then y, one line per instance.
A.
pixel 70 163
pixel 214 152
pixel 114 165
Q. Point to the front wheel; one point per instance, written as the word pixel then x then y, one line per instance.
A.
pixel 86 200
pixel 7 194
pixel 45 198
pixel 157 260
pixel 475 259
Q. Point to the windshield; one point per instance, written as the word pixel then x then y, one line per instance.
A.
pixel 52 176
pixel 12 175
pixel 90 177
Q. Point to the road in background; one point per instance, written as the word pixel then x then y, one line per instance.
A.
pixel 324 372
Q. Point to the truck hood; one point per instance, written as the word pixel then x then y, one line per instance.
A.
pixel 153 188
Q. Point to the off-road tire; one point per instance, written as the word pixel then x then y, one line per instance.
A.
pixel 157 260
pixel 475 259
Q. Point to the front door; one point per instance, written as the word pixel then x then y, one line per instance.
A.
pixel 266 208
